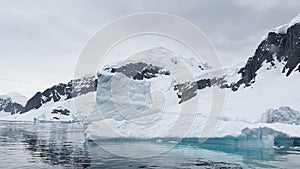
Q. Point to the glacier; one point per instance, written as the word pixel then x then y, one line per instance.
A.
pixel 150 108
pixel 129 107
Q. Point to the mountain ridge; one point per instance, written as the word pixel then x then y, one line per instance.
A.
pixel 280 48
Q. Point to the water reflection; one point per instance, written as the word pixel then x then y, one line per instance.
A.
pixel 268 153
pixel 28 145
pixel 51 144
pixel 168 160
pixel 263 157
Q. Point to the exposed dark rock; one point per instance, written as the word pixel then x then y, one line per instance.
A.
pixel 7 105
pixel 284 48
pixel 188 90
pixel 140 70
pixel 65 112
pixel 62 91
pixel 281 47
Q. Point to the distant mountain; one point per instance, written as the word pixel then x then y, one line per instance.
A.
pixel 283 114
pixel 7 105
pixel 15 103
pixel 15 97
pixel 12 103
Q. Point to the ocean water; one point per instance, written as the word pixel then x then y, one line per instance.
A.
pixel 53 145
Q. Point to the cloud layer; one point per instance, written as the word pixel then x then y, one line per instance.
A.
pixel 41 40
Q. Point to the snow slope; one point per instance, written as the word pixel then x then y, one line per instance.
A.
pixel 271 89
pixel 62 111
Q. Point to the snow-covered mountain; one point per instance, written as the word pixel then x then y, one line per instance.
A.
pixel 143 96
pixel 62 92
pixel 12 103
pixel 283 114
pixel 63 111
pixel 49 105
pixel 15 97
pixel 10 107
pixel 280 48
pixel 269 78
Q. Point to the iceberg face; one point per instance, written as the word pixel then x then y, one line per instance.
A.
pixel 283 114
pixel 128 107
pixel 262 136
pixel 266 137
pixel 138 98
pixel 120 97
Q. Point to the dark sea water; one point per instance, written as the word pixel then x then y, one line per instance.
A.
pixel 30 145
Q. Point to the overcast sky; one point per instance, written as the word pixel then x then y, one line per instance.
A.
pixel 40 40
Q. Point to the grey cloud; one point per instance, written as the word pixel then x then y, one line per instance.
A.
pixel 41 40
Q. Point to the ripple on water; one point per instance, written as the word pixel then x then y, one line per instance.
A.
pixel 29 145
